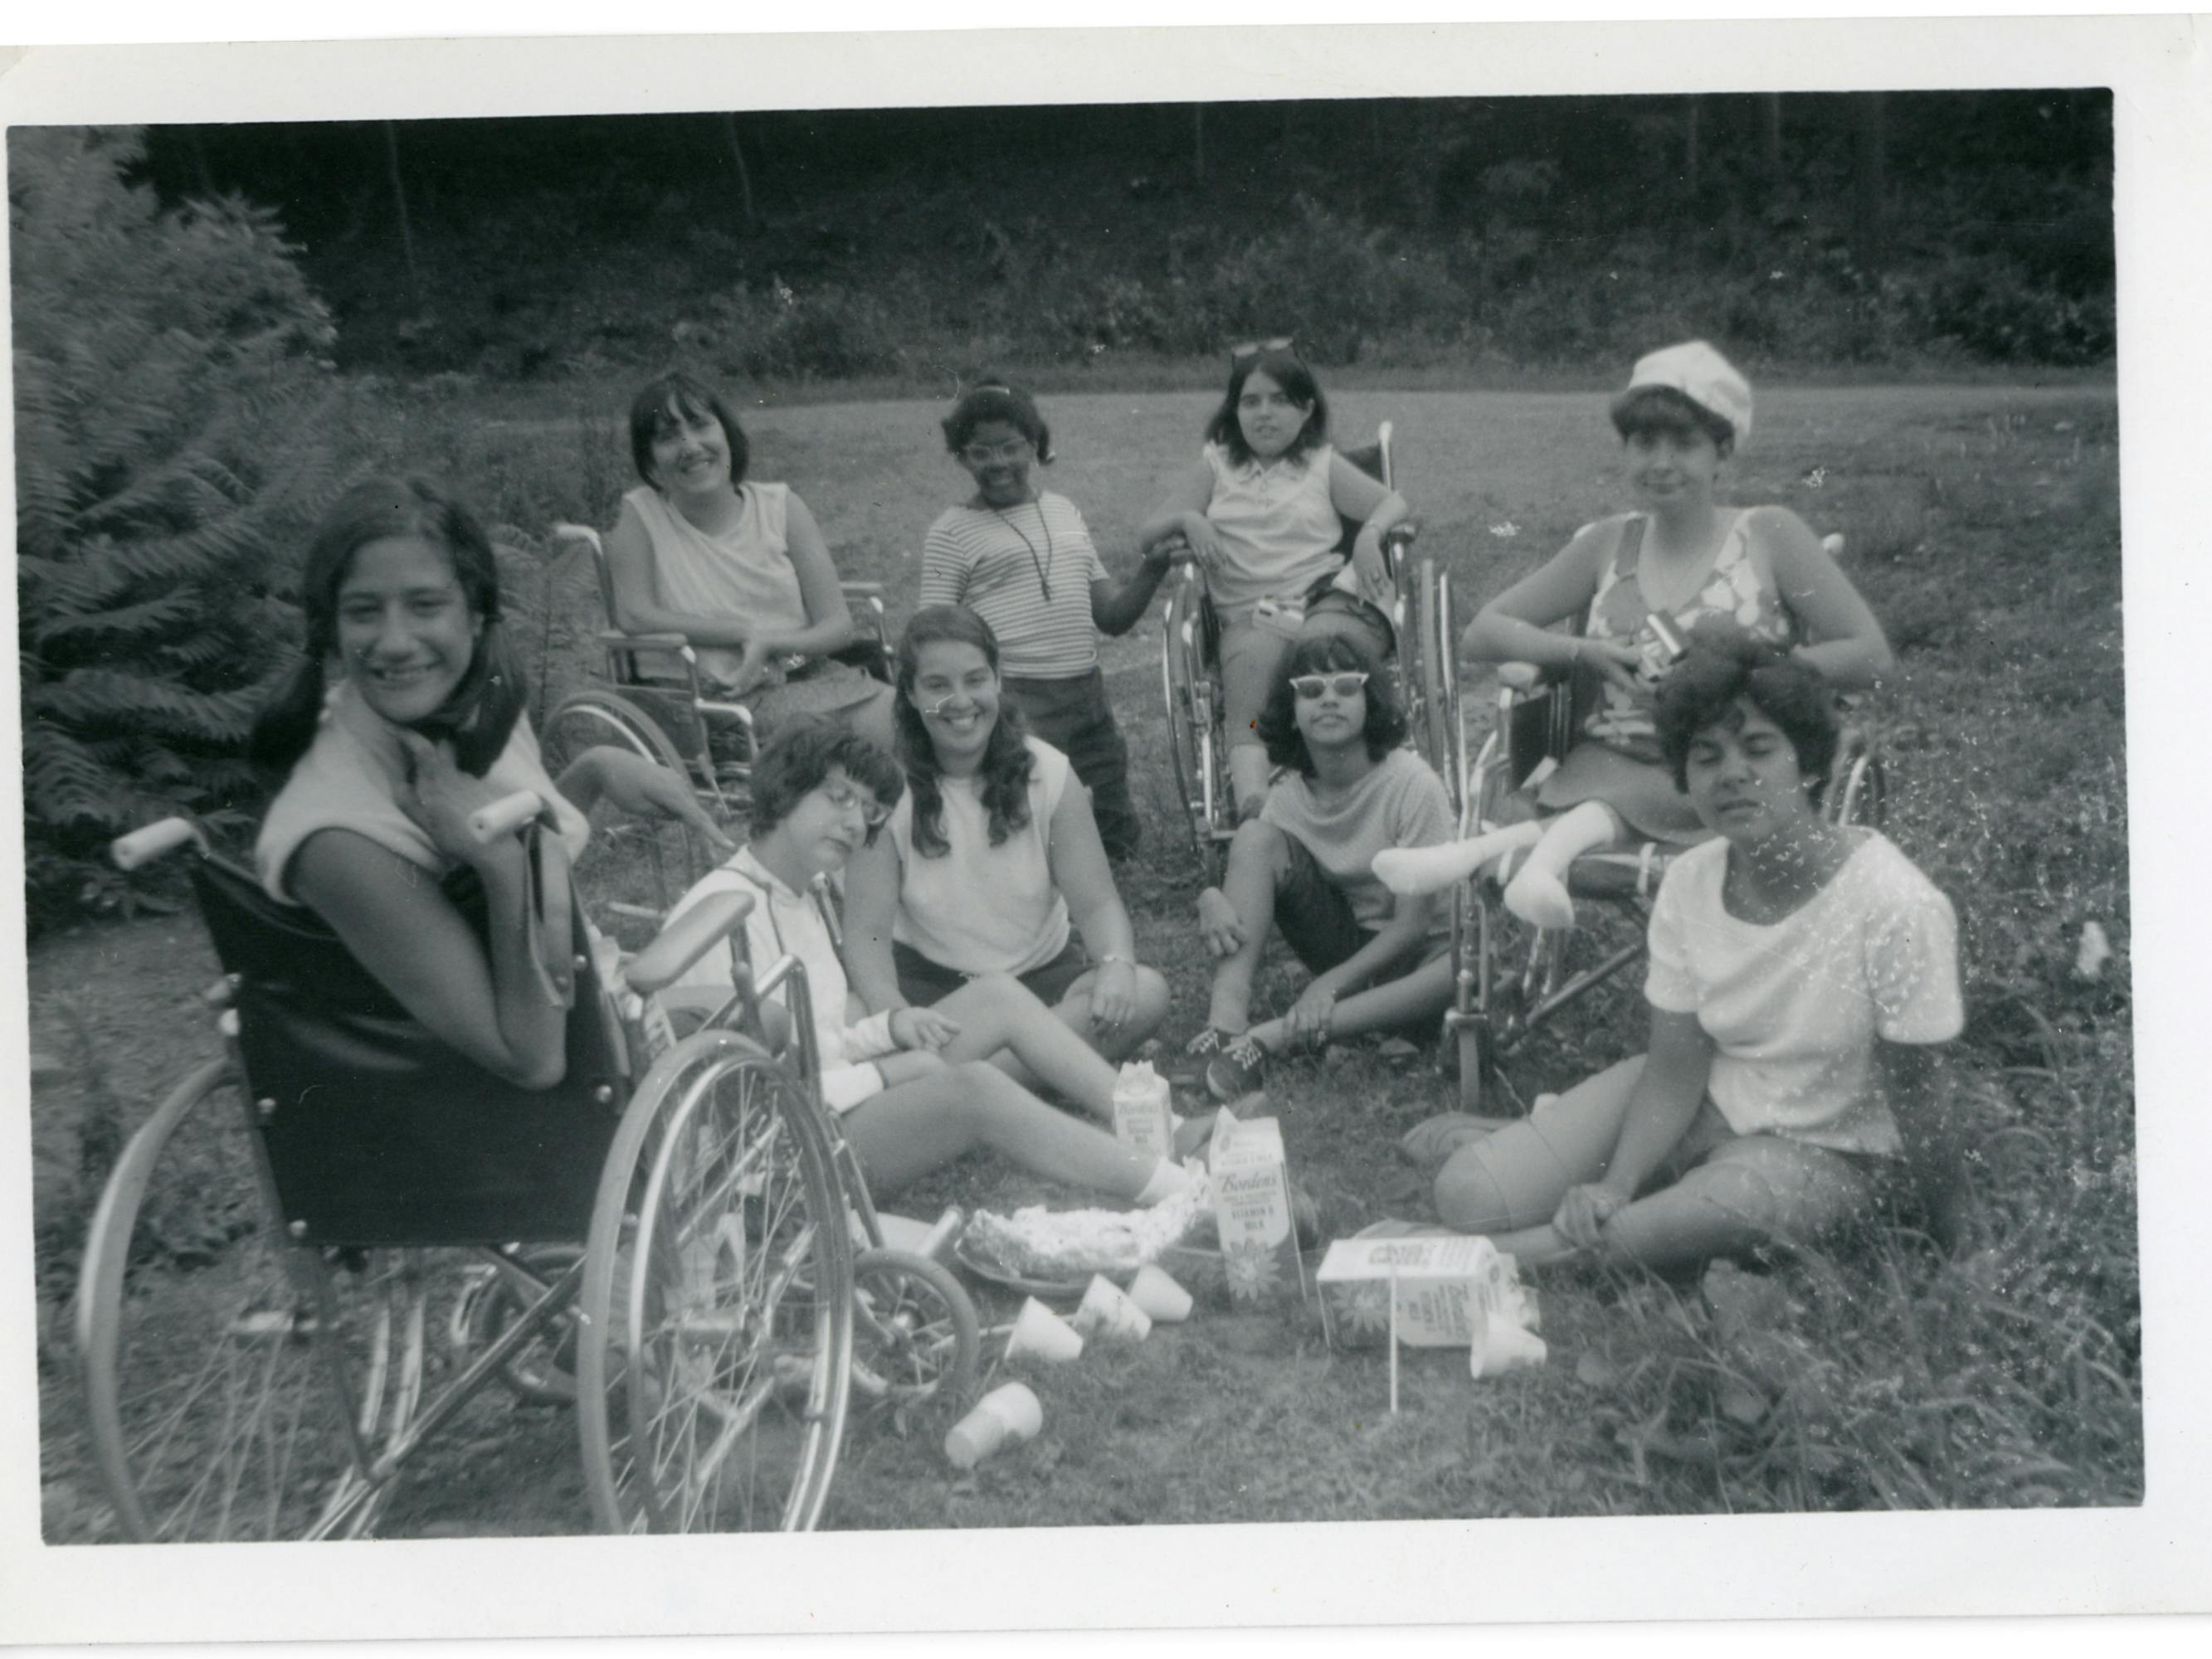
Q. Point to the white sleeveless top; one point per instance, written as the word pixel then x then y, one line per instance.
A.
pixel 979 908
pixel 1277 525
pixel 746 571
pixel 350 779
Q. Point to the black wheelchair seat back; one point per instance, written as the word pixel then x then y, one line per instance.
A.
pixel 376 1132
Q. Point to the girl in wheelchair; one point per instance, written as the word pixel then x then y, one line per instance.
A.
pixel 1304 865
pixel 1801 974
pixel 915 1086
pixel 406 716
pixel 1643 582
pixel 1261 513
pixel 738 568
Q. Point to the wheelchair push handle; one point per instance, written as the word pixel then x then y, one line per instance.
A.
pixel 504 816
pixel 144 846
pixel 694 932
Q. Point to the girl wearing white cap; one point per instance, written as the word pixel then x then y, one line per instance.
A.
pixel 1644 580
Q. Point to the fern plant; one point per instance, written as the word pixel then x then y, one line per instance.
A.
pixel 170 367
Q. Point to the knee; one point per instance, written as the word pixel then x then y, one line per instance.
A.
pixel 1468 1197
pixel 1257 841
pixel 1153 992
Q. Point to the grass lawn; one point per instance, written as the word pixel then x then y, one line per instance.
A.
pixel 1983 528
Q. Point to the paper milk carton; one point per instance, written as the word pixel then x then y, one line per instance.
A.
pixel 1449 1288
pixel 1252 1208
pixel 1143 1115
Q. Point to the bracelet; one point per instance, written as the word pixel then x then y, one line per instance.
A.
pixel 1115 956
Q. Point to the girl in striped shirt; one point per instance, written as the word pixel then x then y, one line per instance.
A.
pixel 1022 559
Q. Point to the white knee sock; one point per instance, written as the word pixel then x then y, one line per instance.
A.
pixel 1539 894
pixel 1411 869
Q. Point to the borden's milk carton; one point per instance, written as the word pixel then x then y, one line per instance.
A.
pixel 1448 1288
pixel 1143 1115
pixel 1252 1208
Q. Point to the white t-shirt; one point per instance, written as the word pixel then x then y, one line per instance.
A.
pixel 977 909
pixel 1795 1008
pixel 783 922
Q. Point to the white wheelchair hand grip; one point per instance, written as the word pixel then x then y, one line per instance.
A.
pixel 684 941
pixel 1520 676
pixel 504 816
pixel 144 846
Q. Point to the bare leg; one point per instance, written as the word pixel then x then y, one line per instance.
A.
pixel 1754 1190
pixel 1425 994
pixel 1248 768
pixel 904 1132
pixel 1000 1017
pixel 1074 1012
pixel 1512 1181
pixel 1413 870
pixel 1539 894
pixel 1258 859
pixel 873 720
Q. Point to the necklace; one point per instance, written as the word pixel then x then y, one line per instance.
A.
pixel 1042 567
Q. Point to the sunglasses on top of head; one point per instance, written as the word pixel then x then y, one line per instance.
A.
pixel 1251 349
pixel 1310 686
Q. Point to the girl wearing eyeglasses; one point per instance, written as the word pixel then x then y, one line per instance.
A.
pixel 738 568
pixel 914 1086
pixel 1021 558
pixel 1305 865
pixel 1261 513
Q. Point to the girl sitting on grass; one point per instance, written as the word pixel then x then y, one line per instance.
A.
pixel 1021 558
pixel 1803 976
pixel 992 863
pixel 1262 512
pixel 1304 865
pixel 914 1084
pixel 1682 562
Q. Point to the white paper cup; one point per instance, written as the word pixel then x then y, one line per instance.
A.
pixel 1163 1301
pixel 1107 1311
pixel 1040 1334
pixel 1006 1416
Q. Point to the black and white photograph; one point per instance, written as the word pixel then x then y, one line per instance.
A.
pixel 1239 811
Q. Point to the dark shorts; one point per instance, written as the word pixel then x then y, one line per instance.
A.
pixel 1073 717
pixel 1314 915
pixel 926 983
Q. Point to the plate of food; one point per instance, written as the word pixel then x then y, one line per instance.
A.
pixel 1054 1253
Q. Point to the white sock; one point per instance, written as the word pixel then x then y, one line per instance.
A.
pixel 1168 1178
pixel 1539 898
pixel 1411 869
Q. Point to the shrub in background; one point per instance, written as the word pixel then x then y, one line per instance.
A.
pixel 170 367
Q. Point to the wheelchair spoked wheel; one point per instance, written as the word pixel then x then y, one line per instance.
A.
pixel 917 1337
pixel 237 1384
pixel 633 865
pixel 716 1368
pixel 1442 736
pixel 1200 773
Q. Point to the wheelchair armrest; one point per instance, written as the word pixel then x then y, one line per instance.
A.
pixel 684 941
pixel 1402 534
pixel 1523 677
pixel 576 533
pixel 861 590
pixel 615 638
